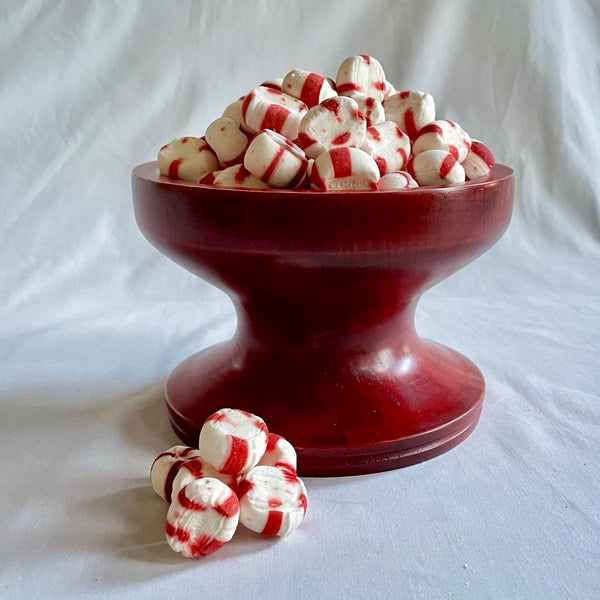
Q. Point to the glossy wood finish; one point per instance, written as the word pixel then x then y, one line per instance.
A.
pixel 325 285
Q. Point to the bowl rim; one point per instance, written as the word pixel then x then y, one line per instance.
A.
pixel 148 171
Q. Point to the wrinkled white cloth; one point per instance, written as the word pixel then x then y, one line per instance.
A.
pixel 93 318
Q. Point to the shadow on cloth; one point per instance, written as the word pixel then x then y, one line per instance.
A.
pixel 130 524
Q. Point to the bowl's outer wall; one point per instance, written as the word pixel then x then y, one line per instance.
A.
pixel 282 241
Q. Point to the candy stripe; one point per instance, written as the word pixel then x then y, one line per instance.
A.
pixel 273 164
pixel 315 177
pixel 381 163
pixel 273 524
pixel 275 117
pixel 243 487
pixel 174 168
pixel 247 100
pixel 205 545
pixel 177 532
pixel 304 140
pixel 299 176
pixel 332 105
pixel 348 87
pixel 188 503
pixel 163 454
pixel 431 128
pixel 238 456
pixel 229 507
pixel 341 139
pixel 286 466
pixel 374 132
pixel 410 126
pixel 341 161
pixel 447 166
pixel 290 475
pixel 195 467
pixel 219 417
pixel 311 90
pixel 242 174
pixel 171 474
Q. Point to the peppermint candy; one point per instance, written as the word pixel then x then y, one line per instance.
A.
pixel 435 167
pixel 202 518
pixel 335 123
pixel 238 463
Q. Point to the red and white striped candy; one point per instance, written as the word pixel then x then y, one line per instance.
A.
pixel 361 74
pixel 279 453
pixel 202 518
pixel 411 110
pixel 275 160
pixel 479 161
pixel 344 169
pixel 233 440
pixel 197 468
pixel 238 177
pixel 335 123
pixel 398 180
pixel 267 108
pixel 443 135
pixel 388 145
pixel 435 167
pixel 227 141
pixel 165 467
pixel 187 158
pixel 371 108
pixel 311 88
pixel 272 500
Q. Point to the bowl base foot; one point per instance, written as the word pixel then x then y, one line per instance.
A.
pixel 346 415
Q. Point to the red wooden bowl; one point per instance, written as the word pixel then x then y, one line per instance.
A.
pixel 325 286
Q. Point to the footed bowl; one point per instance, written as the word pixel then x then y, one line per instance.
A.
pixel 325 286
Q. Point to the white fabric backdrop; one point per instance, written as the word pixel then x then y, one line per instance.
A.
pixel 93 318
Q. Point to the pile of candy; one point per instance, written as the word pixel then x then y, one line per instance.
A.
pixel 239 473
pixel 306 131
